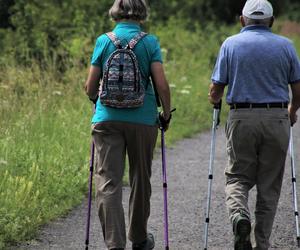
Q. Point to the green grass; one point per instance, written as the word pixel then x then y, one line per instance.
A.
pixel 45 127
pixel 44 137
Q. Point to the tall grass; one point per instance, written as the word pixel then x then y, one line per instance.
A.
pixel 45 126
pixel 44 135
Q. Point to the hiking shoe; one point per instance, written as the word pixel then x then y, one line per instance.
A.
pixel 147 244
pixel 242 229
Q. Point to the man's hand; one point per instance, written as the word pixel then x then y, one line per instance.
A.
pixel 293 115
pixel 215 93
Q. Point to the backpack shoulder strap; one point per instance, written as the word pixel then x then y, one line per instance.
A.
pixel 136 39
pixel 112 36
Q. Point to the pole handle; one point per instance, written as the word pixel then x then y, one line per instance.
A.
pixel 218 107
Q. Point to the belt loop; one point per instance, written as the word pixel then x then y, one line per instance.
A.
pixel 234 105
pixel 250 105
pixel 268 105
pixel 282 105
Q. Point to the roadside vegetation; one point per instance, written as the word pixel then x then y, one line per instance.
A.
pixel 45 115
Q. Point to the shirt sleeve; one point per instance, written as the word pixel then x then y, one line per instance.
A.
pixel 294 75
pixel 156 51
pixel 220 72
pixel 97 56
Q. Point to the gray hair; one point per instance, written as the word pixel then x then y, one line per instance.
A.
pixel 136 10
pixel 250 21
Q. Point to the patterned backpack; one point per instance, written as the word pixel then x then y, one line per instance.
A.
pixel 121 85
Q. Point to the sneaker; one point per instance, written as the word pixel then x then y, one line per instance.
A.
pixel 241 230
pixel 147 244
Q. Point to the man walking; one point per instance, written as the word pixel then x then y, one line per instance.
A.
pixel 257 66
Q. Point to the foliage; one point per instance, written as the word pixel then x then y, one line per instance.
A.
pixel 58 32
pixel 53 29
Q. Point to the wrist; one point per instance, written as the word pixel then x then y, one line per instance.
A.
pixel 167 116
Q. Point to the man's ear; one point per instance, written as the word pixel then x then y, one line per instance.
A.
pixel 272 21
pixel 242 20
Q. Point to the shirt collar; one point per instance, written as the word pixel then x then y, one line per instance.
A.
pixel 131 25
pixel 256 27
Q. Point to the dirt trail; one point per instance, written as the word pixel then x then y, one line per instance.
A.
pixel 187 168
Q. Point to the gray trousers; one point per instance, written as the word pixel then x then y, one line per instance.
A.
pixel 257 143
pixel 112 140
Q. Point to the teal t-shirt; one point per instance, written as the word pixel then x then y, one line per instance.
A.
pixel 147 51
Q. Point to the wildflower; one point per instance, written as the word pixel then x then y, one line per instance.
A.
pixel 56 92
pixel 172 85
pixel 183 79
pixel 3 162
pixel 187 87
pixel 184 91
pixel 164 50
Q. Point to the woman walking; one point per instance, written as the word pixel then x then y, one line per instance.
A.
pixel 132 130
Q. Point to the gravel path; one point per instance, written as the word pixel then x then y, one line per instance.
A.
pixel 187 190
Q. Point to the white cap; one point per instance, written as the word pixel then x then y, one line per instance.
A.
pixel 258 9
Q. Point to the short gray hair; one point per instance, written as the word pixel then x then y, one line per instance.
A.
pixel 250 21
pixel 136 10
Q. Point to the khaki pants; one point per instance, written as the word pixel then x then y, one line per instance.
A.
pixel 257 143
pixel 112 140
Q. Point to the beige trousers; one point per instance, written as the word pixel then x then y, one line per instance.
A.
pixel 257 143
pixel 112 140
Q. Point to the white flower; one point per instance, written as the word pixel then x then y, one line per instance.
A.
pixel 172 85
pixel 184 91
pixel 56 93
pixel 3 162
pixel 183 79
pixel 164 50
pixel 187 87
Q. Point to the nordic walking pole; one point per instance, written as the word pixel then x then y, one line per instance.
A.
pixel 90 197
pixel 216 122
pixel 165 186
pixel 294 186
pixel 87 236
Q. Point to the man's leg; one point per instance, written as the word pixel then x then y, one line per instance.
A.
pixel 242 161
pixel 110 163
pixel 272 155
pixel 140 143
